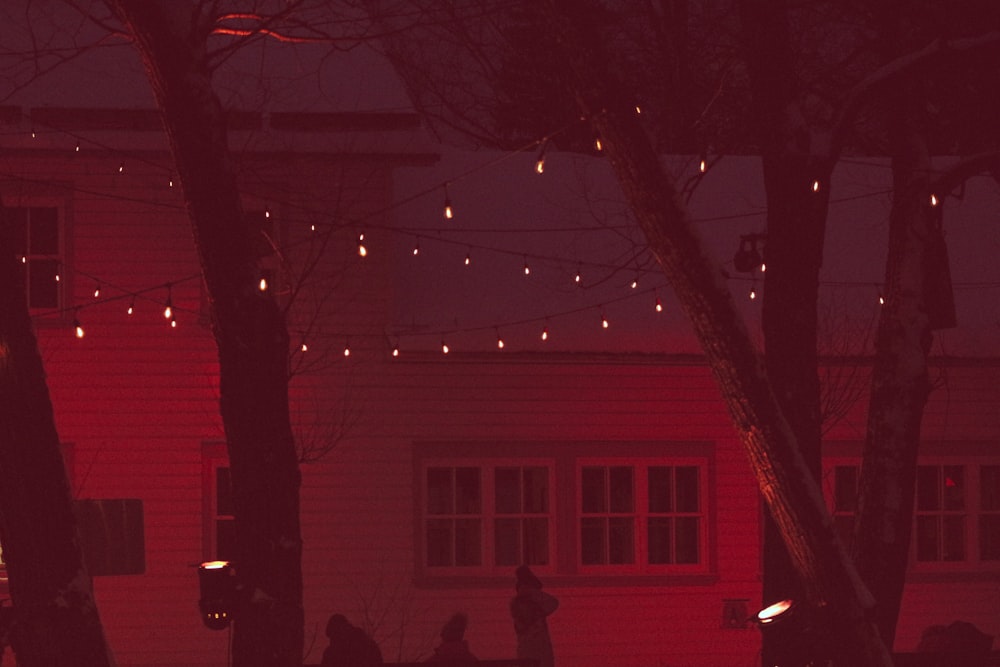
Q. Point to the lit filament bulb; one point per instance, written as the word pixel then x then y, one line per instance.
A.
pixel 815 186
pixel 881 300
pixel 173 323
pixel 304 347
pixel 97 291
pixel 500 343
pixel 395 351
pixel 416 249
pixel 444 348
pixel 703 164
pixel 168 311
pixel 448 212
pixel 131 306
pixel 604 321
pixel 78 329
pixel 468 258
pixel 598 146
pixel 545 333
pixel 658 305
pixel 753 293
pixel 527 269
pixel 121 168
pixel 362 249
pixel 347 350
pixel 934 199
pixel 540 164
pixel 262 285
pixel 634 283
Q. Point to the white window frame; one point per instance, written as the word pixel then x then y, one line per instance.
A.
pixel 214 457
pixel 641 515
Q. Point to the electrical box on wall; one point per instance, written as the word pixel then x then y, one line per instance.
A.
pixel 734 614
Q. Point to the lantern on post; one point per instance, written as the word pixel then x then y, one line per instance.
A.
pixel 217 583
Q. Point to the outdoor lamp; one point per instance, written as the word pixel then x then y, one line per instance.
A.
pixel 776 612
pixel 217 581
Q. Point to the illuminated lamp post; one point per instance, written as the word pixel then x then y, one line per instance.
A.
pixel 217 581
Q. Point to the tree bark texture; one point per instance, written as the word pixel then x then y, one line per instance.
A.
pixel 249 329
pixel 796 224
pixel 788 487
pixel 900 379
pixel 56 621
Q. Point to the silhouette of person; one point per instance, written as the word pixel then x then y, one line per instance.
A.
pixel 529 610
pixel 454 649
pixel 349 645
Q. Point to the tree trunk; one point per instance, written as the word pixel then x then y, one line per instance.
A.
pixel 249 329
pixel 791 493
pixel 56 623
pixel 796 224
pixel 900 382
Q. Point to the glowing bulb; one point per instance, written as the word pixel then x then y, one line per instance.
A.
pixel 634 283
pixel 598 146
pixel 267 212
pixel 131 306
pixel 658 305
pixel 604 322
pixel 444 348
pixel 815 186
pixel 763 267
pixel 58 277
pixel 24 259
pixel 168 311
pixel 448 213
pixel 527 269
pixel 540 165
pixel 312 227
pixel 347 351
pixel 753 293
pixel 78 329
pixel 468 259
pixel 577 278
pixel 304 348
pixel 545 333
pixel 416 249
pixel 638 110
pixel 362 250
pixel 173 323
pixel 881 300
pixel 500 343
pixel 97 292
pixel 170 183
pixel 262 285
pixel 934 200
pixel 77 147
pixel 121 167
pixel 703 164
pixel 395 352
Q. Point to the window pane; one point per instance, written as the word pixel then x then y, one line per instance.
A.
pixel 225 539
pixel 954 487
pixel 439 542
pixel 928 497
pixel 468 549
pixel 989 488
pixel 467 495
pixel 845 489
pixel 621 540
pixel 593 544
pixel 43 288
pixel 593 490
pixel 507 548
pixel 622 489
pixel 688 496
pixel 440 497
pixel 688 550
pixel 928 538
pixel 43 231
pixel 661 495
pixel 659 540
pixel 954 538
pixel 223 491
pixel 17 229
pixel 536 541
pixel 989 537
pixel 507 483
pixel 536 490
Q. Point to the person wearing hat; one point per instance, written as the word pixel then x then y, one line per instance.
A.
pixel 454 649
pixel 529 609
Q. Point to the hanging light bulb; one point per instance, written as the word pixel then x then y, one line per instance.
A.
pixel 262 285
pixel 444 348
pixel 312 227
pixel 703 163
pixel 753 293
pixel 577 278
pixel 362 249
pixel 468 258
pixel 267 212
pixel 604 321
pixel 395 350
pixel 658 305
pixel 131 306
pixel 168 309
pixel 934 199
pixel 638 110
pixel 347 350
pixel 545 332
pixel 634 283
pixel 448 212
pixel 173 322
pixel 97 291
pixel 815 186
pixel 416 248
pixel 598 146
pixel 500 343
pixel 77 149
pixel 78 328
pixel 540 160
pixel 527 269
pixel 304 347
pixel 121 167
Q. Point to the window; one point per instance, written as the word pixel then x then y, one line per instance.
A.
pixel 641 516
pixel 956 517
pixel 35 232
pixel 569 512
pixel 486 516
pixel 218 523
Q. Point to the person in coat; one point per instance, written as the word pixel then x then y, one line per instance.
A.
pixel 529 609
pixel 454 649
pixel 349 645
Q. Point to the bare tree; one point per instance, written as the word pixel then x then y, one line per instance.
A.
pixel 56 621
